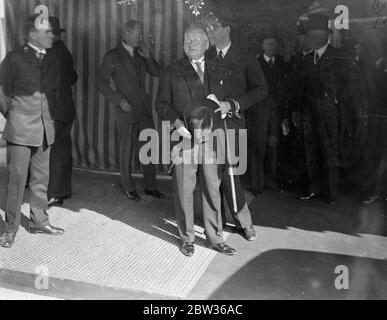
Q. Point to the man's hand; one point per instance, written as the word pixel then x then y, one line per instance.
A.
pixel 125 106
pixel 224 107
pixel 285 127
pixel 143 49
pixel 296 119
pixel 181 129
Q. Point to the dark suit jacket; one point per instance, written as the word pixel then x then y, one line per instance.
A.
pixel 327 77
pixel 274 76
pixel 29 87
pixel 63 109
pixel 239 77
pixel 179 86
pixel 128 75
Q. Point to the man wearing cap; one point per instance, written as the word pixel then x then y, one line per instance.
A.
pixel 239 83
pixel 263 120
pixel 63 113
pixel 323 80
pixel 29 85
pixel 181 101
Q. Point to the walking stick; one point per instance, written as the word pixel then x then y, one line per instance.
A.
pixel 230 170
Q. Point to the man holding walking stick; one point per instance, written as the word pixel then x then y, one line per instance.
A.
pixel 239 83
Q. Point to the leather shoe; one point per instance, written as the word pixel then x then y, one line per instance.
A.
pixel 223 248
pixel 51 230
pixel 55 201
pixel 188 249
pixel 8 239
pixel 250 233
pixel 369 200
pixel 331 200
pixel 309 196
pixel 132 195
pixel 154 193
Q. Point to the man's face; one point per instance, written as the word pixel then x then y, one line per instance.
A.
pixel 216 32
pixel 195 44
pixel 132 37
pixel 269 46
pixel 316 39
pixel 42 38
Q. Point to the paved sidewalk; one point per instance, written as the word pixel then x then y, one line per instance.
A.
pixel 117 249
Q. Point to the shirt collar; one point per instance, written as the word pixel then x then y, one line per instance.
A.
pixel 225 50
pixel 38 50
pixel 322 50
pixel 267 58
pixel 128 48
pixel 201 60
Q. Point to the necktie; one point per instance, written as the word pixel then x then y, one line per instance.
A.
pixel 271 62
pixel 199 70
pixel 39 55
pixel 316 57
pixel 220 57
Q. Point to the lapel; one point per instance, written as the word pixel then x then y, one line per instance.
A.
pixel 29 54
pixel 211 54
pixel 128 62
pixel 230 53
pixel 328 54
pixel 191 78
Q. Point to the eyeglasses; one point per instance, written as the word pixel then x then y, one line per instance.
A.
pixel 213 27
pixel 192 40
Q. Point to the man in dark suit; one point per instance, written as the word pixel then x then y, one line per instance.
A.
pixel 29 87
pixel 322 81
pixel 263 120
pixel 238 82
pixel 183 86
pixel 63 113
pixel 127 65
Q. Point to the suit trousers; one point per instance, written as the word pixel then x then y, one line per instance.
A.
pixel 242 217
pixel 184 179
pixel 19 159
pixel 128 134
pixel 320 129
pixel 263 134
pixel 61 161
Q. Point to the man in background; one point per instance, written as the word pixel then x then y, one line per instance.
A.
pixel 127 66
pixel 63 113
pixel 263 120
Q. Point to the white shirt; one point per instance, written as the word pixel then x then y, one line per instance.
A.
pixel 128 48
pixel 320 52
pixel 38 50
pixel 201 61
pixel 267 58
pixel 224 51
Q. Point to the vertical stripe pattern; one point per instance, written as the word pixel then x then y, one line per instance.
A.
pixel 93 28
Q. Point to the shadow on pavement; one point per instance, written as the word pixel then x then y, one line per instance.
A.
pixel 293 274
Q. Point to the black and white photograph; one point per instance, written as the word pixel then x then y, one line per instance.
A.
pixel 193 154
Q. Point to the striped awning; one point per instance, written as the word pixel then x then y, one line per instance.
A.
pixel 93 28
